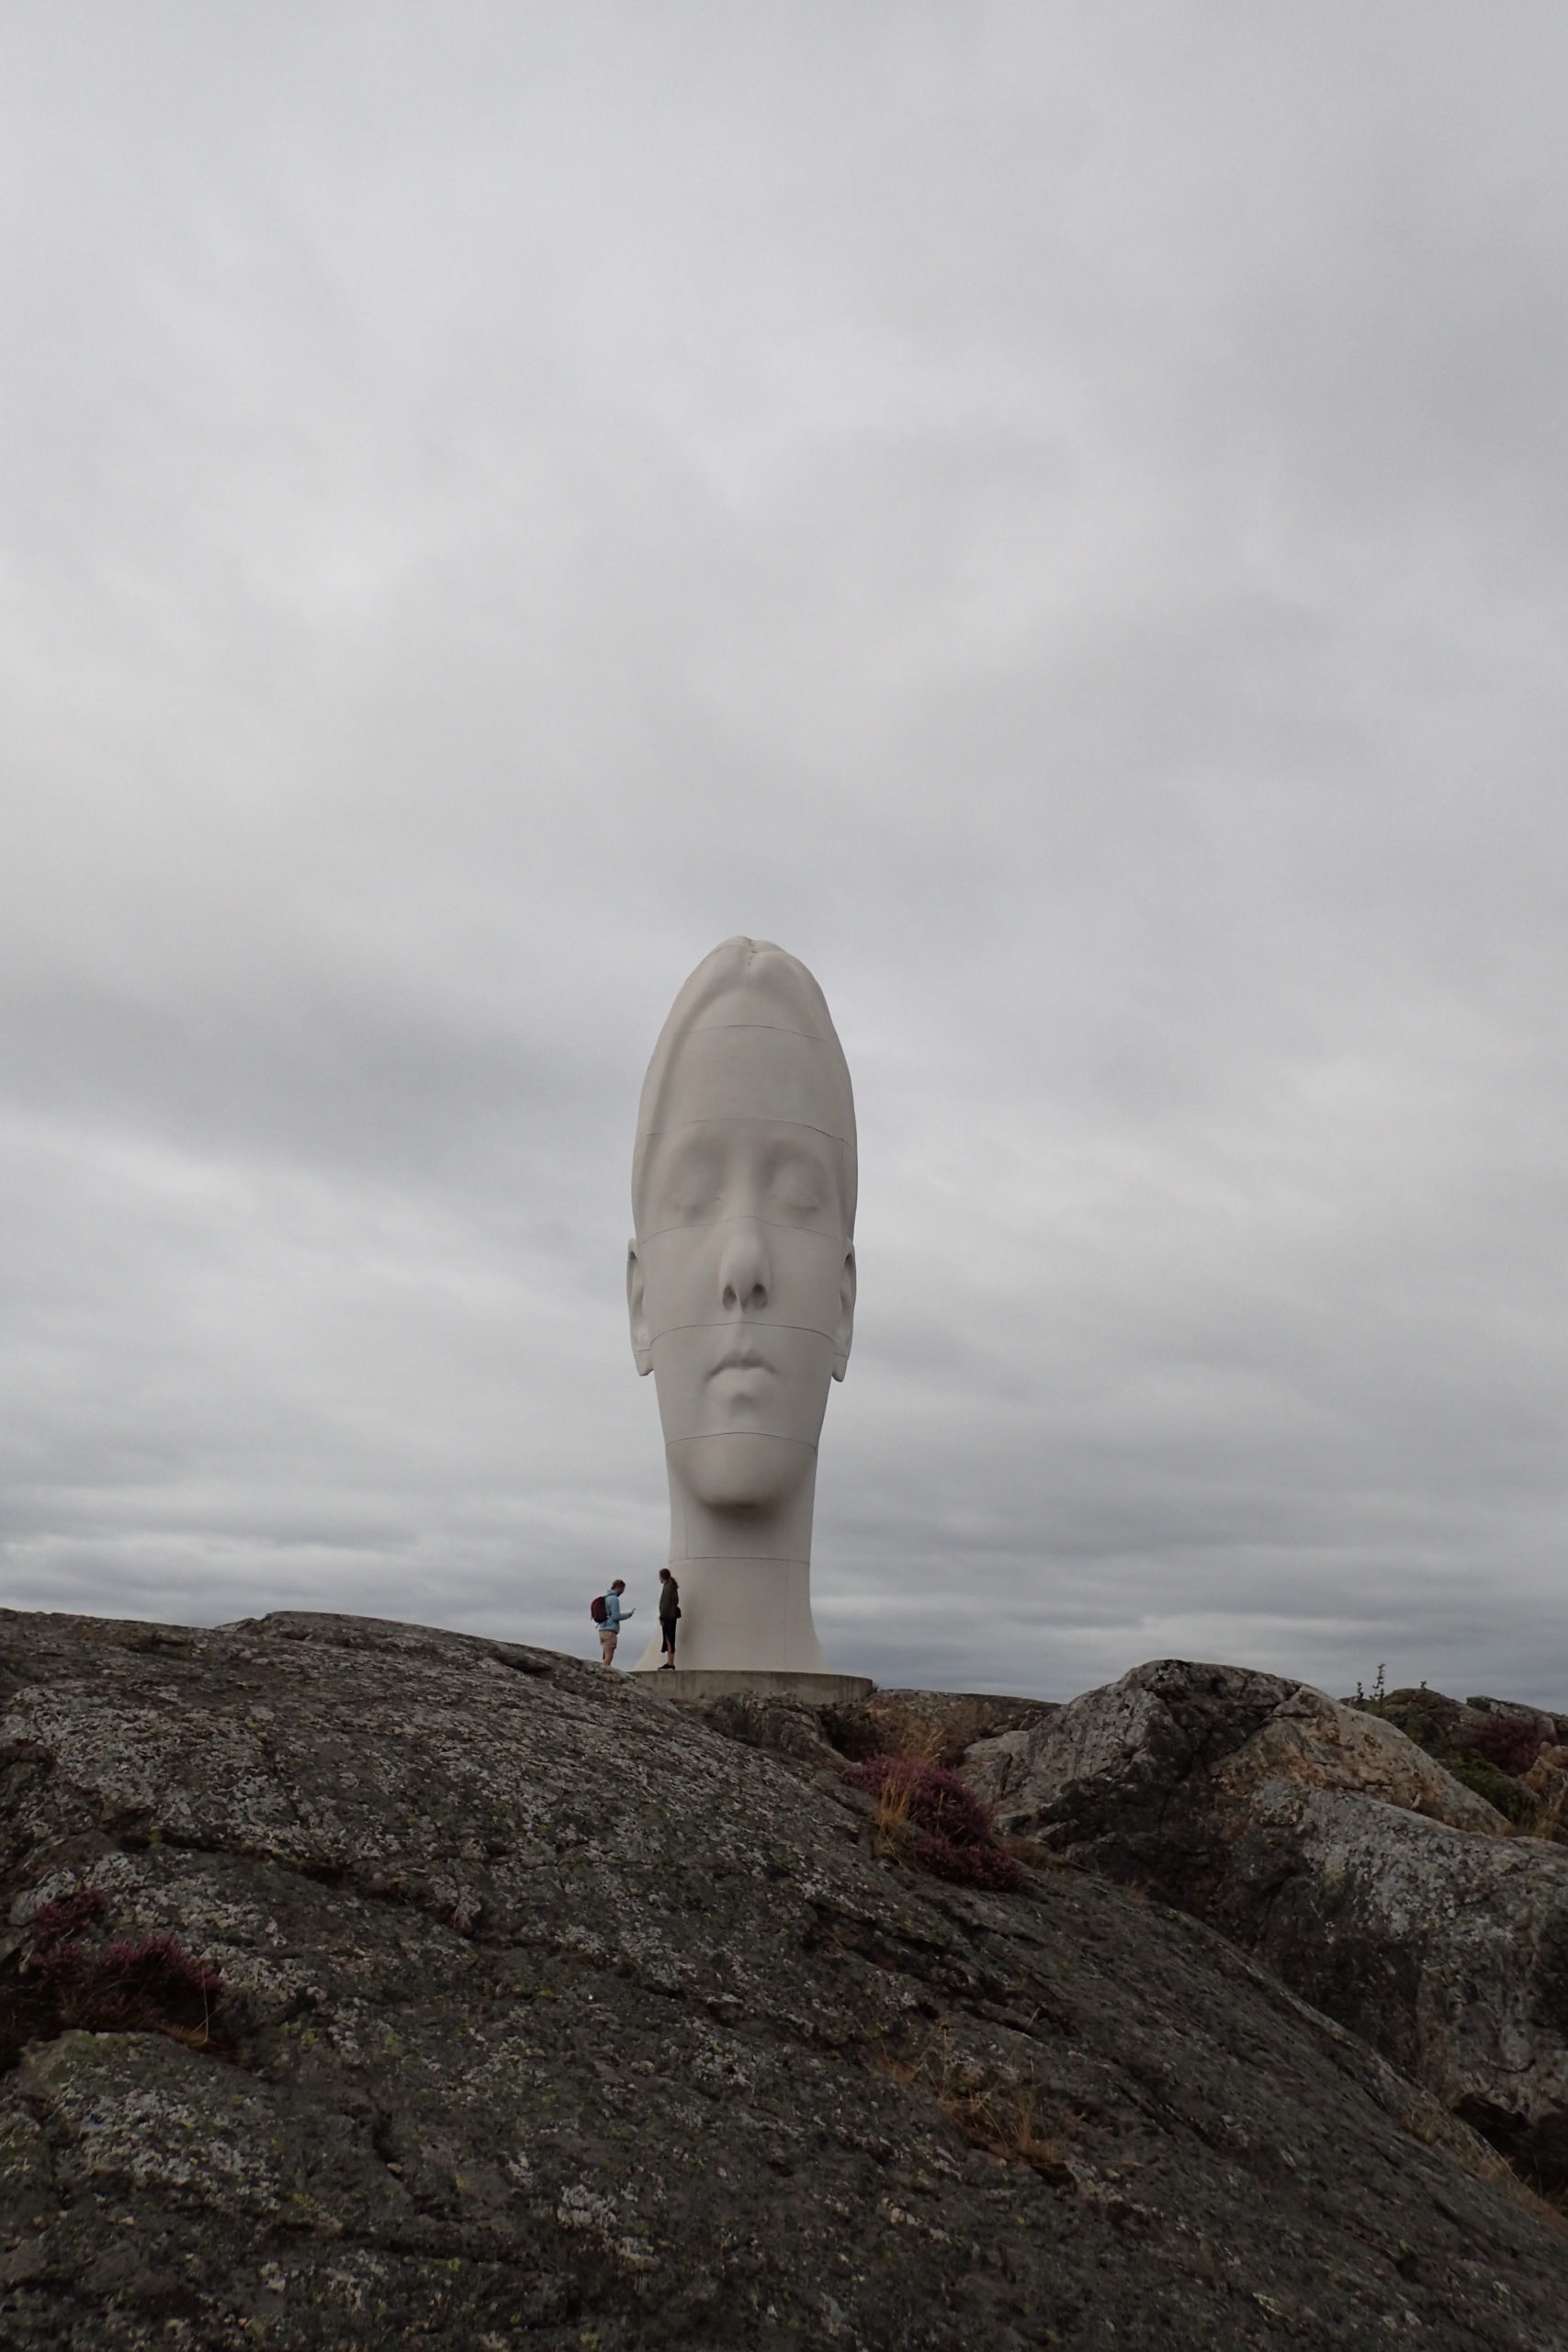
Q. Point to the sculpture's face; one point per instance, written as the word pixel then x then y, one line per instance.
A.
pixel 741 1278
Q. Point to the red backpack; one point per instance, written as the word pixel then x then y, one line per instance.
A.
pixel 596 1608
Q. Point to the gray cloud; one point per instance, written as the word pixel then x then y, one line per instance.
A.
pixel 1058 517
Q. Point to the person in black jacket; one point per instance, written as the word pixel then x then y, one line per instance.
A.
pixel 668 1611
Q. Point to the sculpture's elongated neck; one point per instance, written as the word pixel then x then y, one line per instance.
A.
pixel 740 1611
pixel 778 1528
pixel 745 1580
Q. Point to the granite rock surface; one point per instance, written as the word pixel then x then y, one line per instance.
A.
pixel 1331 1846
pixel 523 2008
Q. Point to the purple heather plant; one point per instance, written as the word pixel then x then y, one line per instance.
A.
pixel 1507 1741
pixel 132 1984
pixel 947 1829
pixel 54 1951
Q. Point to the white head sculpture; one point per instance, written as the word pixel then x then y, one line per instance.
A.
pixel 741 1283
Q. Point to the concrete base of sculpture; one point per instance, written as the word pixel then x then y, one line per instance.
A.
pixel 732 1682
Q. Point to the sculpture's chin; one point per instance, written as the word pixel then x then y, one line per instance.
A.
pixel 742 1470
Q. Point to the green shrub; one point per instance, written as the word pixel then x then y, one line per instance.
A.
pixel 1489 1781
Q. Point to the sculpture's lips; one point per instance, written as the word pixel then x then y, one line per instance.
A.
pixel 743 1359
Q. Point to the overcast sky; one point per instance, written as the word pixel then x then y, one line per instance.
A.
pixel 1057 515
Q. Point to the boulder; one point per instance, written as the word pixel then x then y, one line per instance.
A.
pixel 781 1726
pixel 369 1986
pixel 1326 1843
pixel 1311 1742
pixel 1547 1781
pixel 1549 1728
pixel 936 1725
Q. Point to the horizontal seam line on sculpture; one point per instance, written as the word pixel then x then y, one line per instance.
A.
pixel 741 1118
pixel 725 1324
pixel 746 1559
pixel 780 1029
pixel 774 1224
pixel 777 1435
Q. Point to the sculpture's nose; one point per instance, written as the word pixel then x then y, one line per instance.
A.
pixel 743 1266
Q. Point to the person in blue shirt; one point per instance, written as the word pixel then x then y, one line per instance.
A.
pixel 610 1630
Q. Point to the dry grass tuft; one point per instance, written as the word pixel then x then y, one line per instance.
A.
pixel 995 2111
pixel 921 1740
pixel 894 1800
pixel 1036 1857
pixel 925 1815
pixel 1551 2208
pixel 1489 2164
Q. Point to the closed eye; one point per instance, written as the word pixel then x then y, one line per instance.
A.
pixel 689 1186
pixel 797 1199
pixel 796 1187
pixel 689 1202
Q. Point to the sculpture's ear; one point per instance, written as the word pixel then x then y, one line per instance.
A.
pixel 844 1329
pixel 642 1345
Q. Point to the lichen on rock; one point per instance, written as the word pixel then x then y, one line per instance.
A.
pixel 1328 1843
pixel 551 2014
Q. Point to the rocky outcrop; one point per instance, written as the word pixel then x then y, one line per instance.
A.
pixel 1547 1727
pixel 1547 1782
pixel 937 1726
pixel 1310 1742
pixel 372 1985
pixel 1330 1845
pixel 1489 1744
